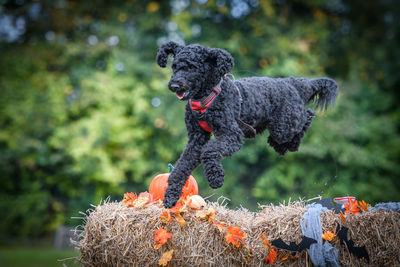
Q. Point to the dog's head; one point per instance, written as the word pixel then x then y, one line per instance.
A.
pixel 196 68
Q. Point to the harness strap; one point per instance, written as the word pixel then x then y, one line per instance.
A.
pixel 199 107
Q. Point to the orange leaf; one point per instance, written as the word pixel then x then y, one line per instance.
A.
pixel 234 236
pixel 363 205
pixel 179 219
pixel 272 257
pixel 220 225
pixel 132 200
pixel 146 194
pixel 212 215
pixel 161 237
pixel 141 201
pixel 166 217
pixel 342 217
pixel 328 236
pixel 284 258
pixel 208 214
pixel 351 207
pixel 179 207
pixel 165 258
pixel 129 199
pixel 265 241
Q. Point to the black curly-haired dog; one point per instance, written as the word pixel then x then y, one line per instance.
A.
pixel 233 110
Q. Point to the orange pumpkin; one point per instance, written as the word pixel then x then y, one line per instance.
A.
pixel 160 183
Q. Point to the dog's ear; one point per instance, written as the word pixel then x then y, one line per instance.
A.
pixel 222 60
pixel 166 49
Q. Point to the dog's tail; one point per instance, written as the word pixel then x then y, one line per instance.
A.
pixel 325 92
pixel 321 91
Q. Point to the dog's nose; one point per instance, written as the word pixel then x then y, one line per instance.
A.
pixel 174 87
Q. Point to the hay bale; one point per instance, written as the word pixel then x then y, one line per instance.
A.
pixel 379 231
pixel 115 235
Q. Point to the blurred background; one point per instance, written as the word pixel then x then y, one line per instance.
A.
pixel 85 112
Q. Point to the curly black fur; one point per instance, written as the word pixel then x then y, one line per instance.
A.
pixel 267 103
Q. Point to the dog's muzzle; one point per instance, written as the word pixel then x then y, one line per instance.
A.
pixel 180 91
pixel 174 87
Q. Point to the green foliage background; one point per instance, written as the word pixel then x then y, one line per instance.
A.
pixel 85 112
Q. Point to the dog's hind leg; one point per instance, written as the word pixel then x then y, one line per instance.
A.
pixel 294 144
pixel 222 146
pixel 281 149
pixel 286 122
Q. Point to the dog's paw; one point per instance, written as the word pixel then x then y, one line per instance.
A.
pixel 216 183
pixel 281 149
pixel 215 175
pixel 170 200
pixel 294 145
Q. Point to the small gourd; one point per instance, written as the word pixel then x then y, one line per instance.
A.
pixel 196 202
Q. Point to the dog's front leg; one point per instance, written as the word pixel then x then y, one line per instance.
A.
pixel 188 161
pixel 227 142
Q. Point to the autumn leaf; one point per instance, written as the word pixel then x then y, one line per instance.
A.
pixel 328 236
pixel 351 207
pixel 179 207
pixel 141 201
pixel 272 254
pixel 363 205
pixel 166 258
pixel 220 225
pixel 272 257
pixel 129 199
pixel 165 217
pixel 212 215
pixel 234 236
pixel 342 217
pixel 265 241
pixel 161 237
pixel 130 195
pixel 182 209
pixel 179 219
pixel 132 200
pixel 208 214
pixel 284 258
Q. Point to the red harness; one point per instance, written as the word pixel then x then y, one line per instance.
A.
pixel 200 107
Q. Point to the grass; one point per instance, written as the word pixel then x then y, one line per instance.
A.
pixel 36 257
